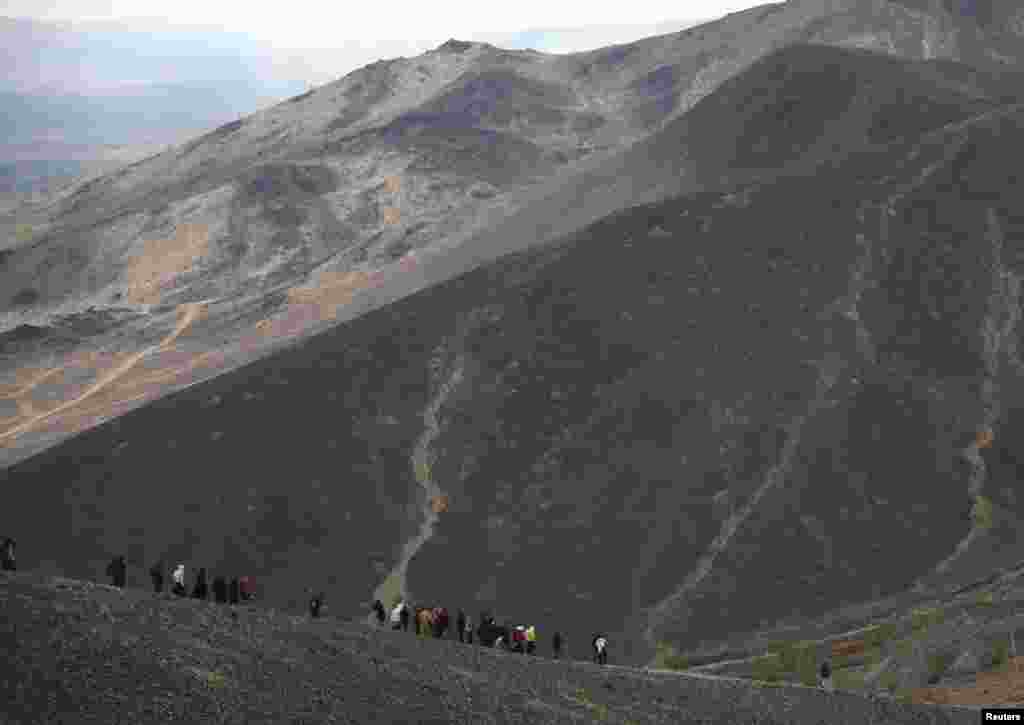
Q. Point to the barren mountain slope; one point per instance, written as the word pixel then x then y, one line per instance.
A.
pixel 133 656
pixel 398 176
pixel 684 420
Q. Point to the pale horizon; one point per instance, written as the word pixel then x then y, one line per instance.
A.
pixel 315 45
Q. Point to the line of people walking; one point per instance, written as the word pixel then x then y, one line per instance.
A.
pixel 427 620
pixel 238 590
pixel 434 620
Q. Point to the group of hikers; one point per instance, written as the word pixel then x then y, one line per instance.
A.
pixel 435 621
pixel 427 620
pixel 239 589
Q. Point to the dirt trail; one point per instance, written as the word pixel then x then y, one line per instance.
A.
pixel 421 459
pixel 190 312
pixel 32 383
pixel 998 331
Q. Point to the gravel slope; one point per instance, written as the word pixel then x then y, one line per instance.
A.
pixel 81 652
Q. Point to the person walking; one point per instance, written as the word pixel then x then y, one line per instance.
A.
pixel 531 640
pixel 178 587
pixel 404 614
pixel 378 610
pixel 460 624
pixel 246 588
pixel 156 574
pixel 234 595
pixel 600 649
pixel 220 590
pixel 556 645
pixel 7 561
pixel 315 604
pixel 825 676
pixel 469 630
pixel 200 590
pixel 396 617
pixel 117 571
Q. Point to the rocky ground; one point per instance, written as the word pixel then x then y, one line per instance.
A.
pixel 83 652
pixel 955 648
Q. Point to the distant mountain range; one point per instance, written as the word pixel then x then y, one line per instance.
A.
pixel 672 340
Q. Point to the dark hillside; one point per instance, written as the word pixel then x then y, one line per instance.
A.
pixel 815 100
pixel 795 107
pixel 687 419
pixel 108 655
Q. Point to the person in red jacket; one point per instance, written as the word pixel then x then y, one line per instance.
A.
pixel 245 588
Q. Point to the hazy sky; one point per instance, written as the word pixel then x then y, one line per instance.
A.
pixel 314 42
pixel 319 24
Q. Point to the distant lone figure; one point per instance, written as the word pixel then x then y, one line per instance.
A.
pixel 396 616
pixel 178 578
pixel 220 590
pixel 378 610
pixel 469 630
pixel 245 588
pixel 7 562
pixel 601 649
pixel 315 604
pixel 233 591
pixel 156 573
pixel 531 640
pixel 826 676
pixel 405 617
pixel 117 571
pixel 556 645
pixel 200 590
pixel 460 624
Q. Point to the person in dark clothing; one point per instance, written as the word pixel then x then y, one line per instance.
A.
pixel 200 590
pixel 378 609
pixel 556 644
pixel 220 590
pixel 233 593
pixel 440 621
pixel 405 618
pixel 315 604
pixel 117 571
pixel 156 573
pixel 469 630
pixel 460 624
pixel 7 561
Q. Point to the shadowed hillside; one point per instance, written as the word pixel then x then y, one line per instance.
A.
pixel 688 419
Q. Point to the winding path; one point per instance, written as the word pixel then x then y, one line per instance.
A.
pixel 190 312
pixel 421 459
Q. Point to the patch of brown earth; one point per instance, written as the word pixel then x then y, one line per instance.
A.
pixel 112 384
pixel 1001 687
pixel 164 259
pixel 847 648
